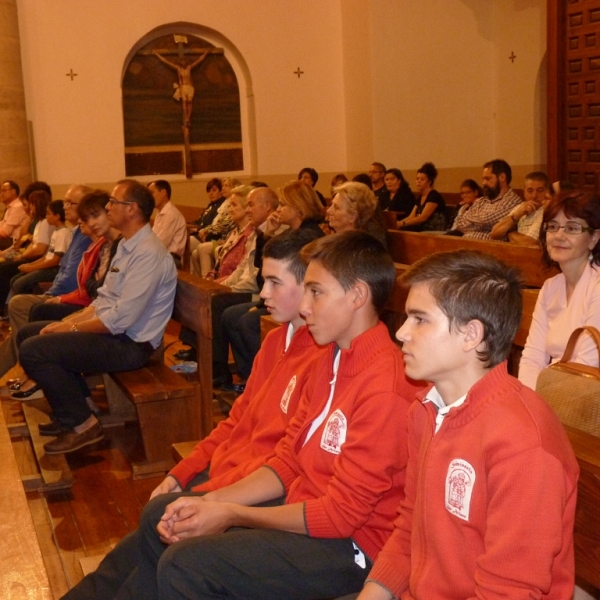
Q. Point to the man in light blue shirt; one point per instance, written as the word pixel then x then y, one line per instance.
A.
pixel 117 332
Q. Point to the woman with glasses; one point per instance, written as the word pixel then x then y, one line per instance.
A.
pixel 569 238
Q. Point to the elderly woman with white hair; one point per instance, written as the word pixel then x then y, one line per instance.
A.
pixel 354 206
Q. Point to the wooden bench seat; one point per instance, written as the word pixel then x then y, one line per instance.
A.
pixel 168 410
pixel 170 407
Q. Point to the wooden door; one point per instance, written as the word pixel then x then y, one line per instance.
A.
pixel 574 91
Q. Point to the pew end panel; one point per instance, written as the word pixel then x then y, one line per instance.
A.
pixel 193 310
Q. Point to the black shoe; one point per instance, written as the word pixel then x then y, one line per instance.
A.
pixel 34 392
pixel 186 354
pixel 220 382
pixel 238 388
pixel 53 428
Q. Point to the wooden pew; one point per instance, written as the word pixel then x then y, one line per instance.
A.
pixel 22 571
pixel 169 407
pixel 407 247
pixel 587 517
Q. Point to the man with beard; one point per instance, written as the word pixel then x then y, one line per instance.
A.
pixel 499 200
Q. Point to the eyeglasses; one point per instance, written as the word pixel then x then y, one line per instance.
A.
pixel 69 203
pixel 115 201
pixel 570 228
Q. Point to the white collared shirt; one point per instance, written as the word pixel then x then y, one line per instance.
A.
pixel 434 396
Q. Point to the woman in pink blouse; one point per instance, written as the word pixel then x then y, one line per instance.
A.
pixel 569 237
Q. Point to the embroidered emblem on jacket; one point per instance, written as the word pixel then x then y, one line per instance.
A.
pixel 334 434
pixel 459 488
pixel 289 390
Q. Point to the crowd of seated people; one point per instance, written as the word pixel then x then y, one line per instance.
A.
pixel 462 356
pixel 481 214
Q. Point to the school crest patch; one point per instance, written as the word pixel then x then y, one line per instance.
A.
pixel 289 390
pixel 459 488
pixel 334 433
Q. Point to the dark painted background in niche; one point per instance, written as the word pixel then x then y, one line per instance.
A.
pixel 152 117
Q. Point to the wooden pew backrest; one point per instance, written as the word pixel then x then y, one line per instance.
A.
pixel 407 247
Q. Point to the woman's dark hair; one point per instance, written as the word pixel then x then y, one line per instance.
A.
pixel 36 186
pixel 214 182
pixel 397 173
pixel 472 185
pixel 429 170
pixel 56 207
pixel 575 205
pixel 311 173
pixel 40 200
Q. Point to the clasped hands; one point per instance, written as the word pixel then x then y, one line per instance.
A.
pixel 192 516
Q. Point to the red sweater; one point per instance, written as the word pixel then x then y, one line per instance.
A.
pixel 86 267
pixel 490 501
pixel 246 439
pixel 350 474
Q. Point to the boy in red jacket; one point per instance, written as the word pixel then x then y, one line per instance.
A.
pixel 340 466
pixel 247 438
pixel 492 480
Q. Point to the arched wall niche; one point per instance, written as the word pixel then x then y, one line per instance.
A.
pixel 215 157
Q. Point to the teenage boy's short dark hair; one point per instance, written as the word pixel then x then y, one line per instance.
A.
pixel 56 207
pixel 470 285
pixel 287 246
pixel 92 204
pixel 356 256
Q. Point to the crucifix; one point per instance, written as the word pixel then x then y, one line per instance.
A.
pixel 71 74
pixel 512 57
pixel 184 88
pixel 299 72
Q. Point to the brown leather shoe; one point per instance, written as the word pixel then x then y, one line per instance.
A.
pixel 71 440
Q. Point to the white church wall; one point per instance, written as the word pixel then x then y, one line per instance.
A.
pixel 78 124
pixel 397 81
pixel 445 90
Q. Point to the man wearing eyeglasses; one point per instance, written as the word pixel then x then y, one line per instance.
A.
pixel 522 225
pixel 119 331
pixel 14 214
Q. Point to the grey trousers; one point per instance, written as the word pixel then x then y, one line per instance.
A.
pixel 239 564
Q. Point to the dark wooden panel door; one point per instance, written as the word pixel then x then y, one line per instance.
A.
pixel 574 91
pixel 582 87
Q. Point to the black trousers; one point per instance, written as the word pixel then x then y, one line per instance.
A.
pixel 241 325
pixel 261 564
pixel 220 342
pixel 56 361
pixel 50 311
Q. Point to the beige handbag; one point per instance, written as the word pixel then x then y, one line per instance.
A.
pixel 573 389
